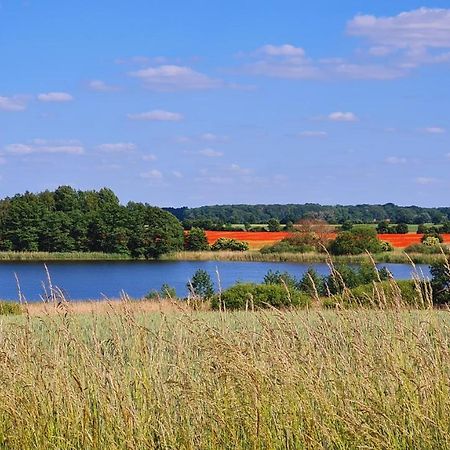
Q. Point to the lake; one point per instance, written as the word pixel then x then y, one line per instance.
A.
pixel 95 280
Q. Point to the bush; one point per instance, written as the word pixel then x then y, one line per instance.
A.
pixel 440 282
pixel 427 249
pixel 249 295
pixel 297 243
pixel 10 309
pixel 233 245
pixel 432 239
pixel 355 242
pixel 378 294
pixel 165 292
pixel 347 277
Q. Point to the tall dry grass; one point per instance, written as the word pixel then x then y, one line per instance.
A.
pixel 129 379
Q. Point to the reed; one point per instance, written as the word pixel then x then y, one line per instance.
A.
pixel 68 256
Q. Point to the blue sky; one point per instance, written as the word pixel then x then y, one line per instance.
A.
pixel 205 102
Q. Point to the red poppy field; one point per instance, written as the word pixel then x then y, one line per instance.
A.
pixel 259 239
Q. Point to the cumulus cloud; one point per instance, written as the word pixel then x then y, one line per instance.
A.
pixel 210 153
pixel 57 97
pixel 157 115
pixel 118 147
pixel 396 45
pixel 15 103
pixel 175 78
pixel 420 28
pixel 101 86
pixel 281 50
pixel 340 116
pixel 36 148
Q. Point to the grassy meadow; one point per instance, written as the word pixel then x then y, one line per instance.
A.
pixel 128 375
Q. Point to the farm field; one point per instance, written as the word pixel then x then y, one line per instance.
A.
pixel 295 379
pixel 257 240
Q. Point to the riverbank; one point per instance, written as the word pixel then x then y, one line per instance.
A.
pixel 397 256
pixel 66 256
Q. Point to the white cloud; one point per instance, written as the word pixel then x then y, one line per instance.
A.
pixel 310 133
pixel 157 115
pixel 340 116
pixel 12 103
pixel 238 170
pixel 153 174
pixel 281 50
pixel 149 157
pixel 177 174
pixel 118 147
pixel 56 97
pixel 33 148
pixel 420 28
pixel 210 153
pixel 425 181
pixel 434 130
pixel 396 160
pixel 211 137
pixel 174 78
pixel 101 86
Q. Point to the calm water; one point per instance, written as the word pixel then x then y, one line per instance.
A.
pixel 93 280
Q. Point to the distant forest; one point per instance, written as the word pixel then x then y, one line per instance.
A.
pixel 258 214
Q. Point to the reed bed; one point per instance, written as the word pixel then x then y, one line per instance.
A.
pixel 311 257
pixel 67 256
pixel 129 379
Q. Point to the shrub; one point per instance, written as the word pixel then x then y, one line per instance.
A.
pixel 355 242
pixel 432 239
pixel 386 293
pixel 248 295
pixel 297 243
pixel 10 308
pixel 440 282
pixel 347 277
pixel 283 278
pixel 427 249
pixel 233 245
pixel 386 246
pixel 166 291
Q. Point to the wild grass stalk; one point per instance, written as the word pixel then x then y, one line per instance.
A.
pixel 201 380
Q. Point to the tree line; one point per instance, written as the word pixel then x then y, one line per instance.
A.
pixel 209 217
pixel 69 220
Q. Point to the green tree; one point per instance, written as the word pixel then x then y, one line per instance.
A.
pixel 196 240
pixel 401 228
pixel 440 282
pixel 201 285
pixel 355 242
pixel 274 225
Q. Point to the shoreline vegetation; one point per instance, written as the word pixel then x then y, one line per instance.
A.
pixel 250 256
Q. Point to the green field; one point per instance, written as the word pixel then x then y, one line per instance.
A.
pixel 374 379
